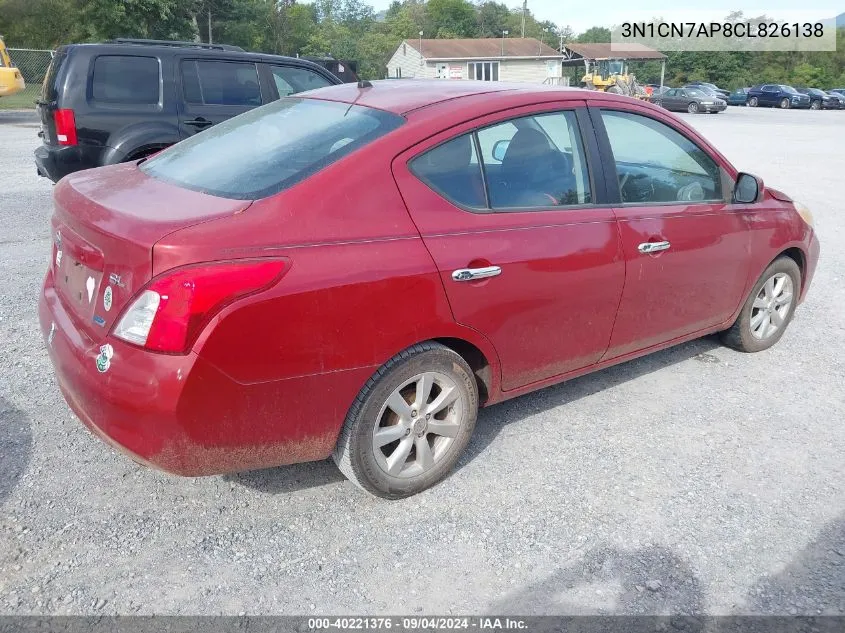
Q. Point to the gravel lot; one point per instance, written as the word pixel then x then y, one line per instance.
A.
pixel 695 480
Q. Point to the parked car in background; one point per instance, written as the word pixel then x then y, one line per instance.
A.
pixel 11 80
pixel 711 87
pixel 839 91
pixel 103 104
pixel 777 96
pixel 819 99
pixel 354 271
pixel 837 100
pixel 689 100
pixel 738 96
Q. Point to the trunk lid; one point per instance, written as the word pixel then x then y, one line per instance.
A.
pixel 105 224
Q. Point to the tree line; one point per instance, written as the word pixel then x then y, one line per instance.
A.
pixel 352 30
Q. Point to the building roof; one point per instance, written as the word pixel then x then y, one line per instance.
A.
pixel 631 50
pixel 482 48
pixel 404 95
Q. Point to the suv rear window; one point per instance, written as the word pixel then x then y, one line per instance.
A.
pixel 126 79
pixel 49 90
pixel 271 148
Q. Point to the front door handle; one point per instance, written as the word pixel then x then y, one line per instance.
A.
pixel 472 274
pixel 653 247
pixel 198 122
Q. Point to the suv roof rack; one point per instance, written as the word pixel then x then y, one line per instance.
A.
pixel 175 44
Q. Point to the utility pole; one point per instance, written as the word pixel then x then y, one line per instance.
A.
pixel 524 10
pixel 503 42
pixel 209 24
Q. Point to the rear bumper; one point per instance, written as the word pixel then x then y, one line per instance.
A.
pixel 182 415
pixel 55 162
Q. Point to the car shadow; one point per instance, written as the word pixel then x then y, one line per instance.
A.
pixel 15 447
pixel 287 479
pixel 813 582
pixel 651 580
pixel 493 419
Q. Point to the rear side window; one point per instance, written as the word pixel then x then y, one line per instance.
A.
pixel 290 80
pixel 221 83
pixel 126 79
pixel 271 148
pixel 453 170
pixel 534 162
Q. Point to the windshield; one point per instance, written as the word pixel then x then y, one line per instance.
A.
pixel 789 89
pixel 266 150
pixel 695 93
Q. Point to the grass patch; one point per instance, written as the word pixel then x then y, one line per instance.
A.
pixel 24 100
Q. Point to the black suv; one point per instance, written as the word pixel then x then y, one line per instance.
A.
pixel 103 104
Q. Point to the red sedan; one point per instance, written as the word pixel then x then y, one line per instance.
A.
pixel 353 272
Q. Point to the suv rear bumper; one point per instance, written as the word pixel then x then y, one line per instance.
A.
pixel 55 162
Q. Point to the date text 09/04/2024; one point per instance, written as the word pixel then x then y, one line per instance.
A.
pixel 413 623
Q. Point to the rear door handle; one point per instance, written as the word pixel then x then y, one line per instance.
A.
pixel 198 122
pixel 653 247
pixel 471 274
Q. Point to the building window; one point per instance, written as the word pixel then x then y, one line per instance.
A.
pixel 483 71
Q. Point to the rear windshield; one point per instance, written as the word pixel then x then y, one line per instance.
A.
pixel 271 148
pixel 49 89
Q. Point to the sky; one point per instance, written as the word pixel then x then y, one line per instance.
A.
pixel 582 15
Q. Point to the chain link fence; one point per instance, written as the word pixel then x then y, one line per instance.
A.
pixel 33 65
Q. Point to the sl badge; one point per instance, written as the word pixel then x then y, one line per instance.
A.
pixel 104 358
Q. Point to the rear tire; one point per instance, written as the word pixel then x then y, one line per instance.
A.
pixel 753 102
pixel 399 437
pixel 771 304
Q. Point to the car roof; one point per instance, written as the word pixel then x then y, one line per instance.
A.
pixel 402 96
pixel 138 48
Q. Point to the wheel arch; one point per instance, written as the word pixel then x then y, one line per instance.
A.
pixel 476 360
pixel 800 258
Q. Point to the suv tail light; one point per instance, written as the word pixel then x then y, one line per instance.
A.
pixel 172 310
pixel 65 127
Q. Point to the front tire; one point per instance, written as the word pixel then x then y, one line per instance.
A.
pixel 815 105
pixel 410 423
pixel 692 108
pixel 768 310
pixel 784 104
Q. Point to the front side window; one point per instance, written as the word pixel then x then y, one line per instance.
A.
pixel 270 148
pixel 655 163
pixel 126 79
pixel 483 71
pixel 220 83
pixel 291 79
pixel 528 163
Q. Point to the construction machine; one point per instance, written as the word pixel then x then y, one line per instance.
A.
pixel 11 80
pixel 611 75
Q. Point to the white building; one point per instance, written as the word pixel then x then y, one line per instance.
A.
pixel 494 59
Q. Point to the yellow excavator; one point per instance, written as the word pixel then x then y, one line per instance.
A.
pixel 611 75
pixel 11 80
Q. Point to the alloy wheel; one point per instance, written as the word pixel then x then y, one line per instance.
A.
pixel 784 103
pixel 418 424
pixel 692 108
pixel 771 306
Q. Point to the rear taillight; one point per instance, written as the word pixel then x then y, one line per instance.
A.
pixel 170 313
pixel 65 127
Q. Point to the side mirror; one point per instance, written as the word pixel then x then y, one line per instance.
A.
pixel 748 189
pixel 500 149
